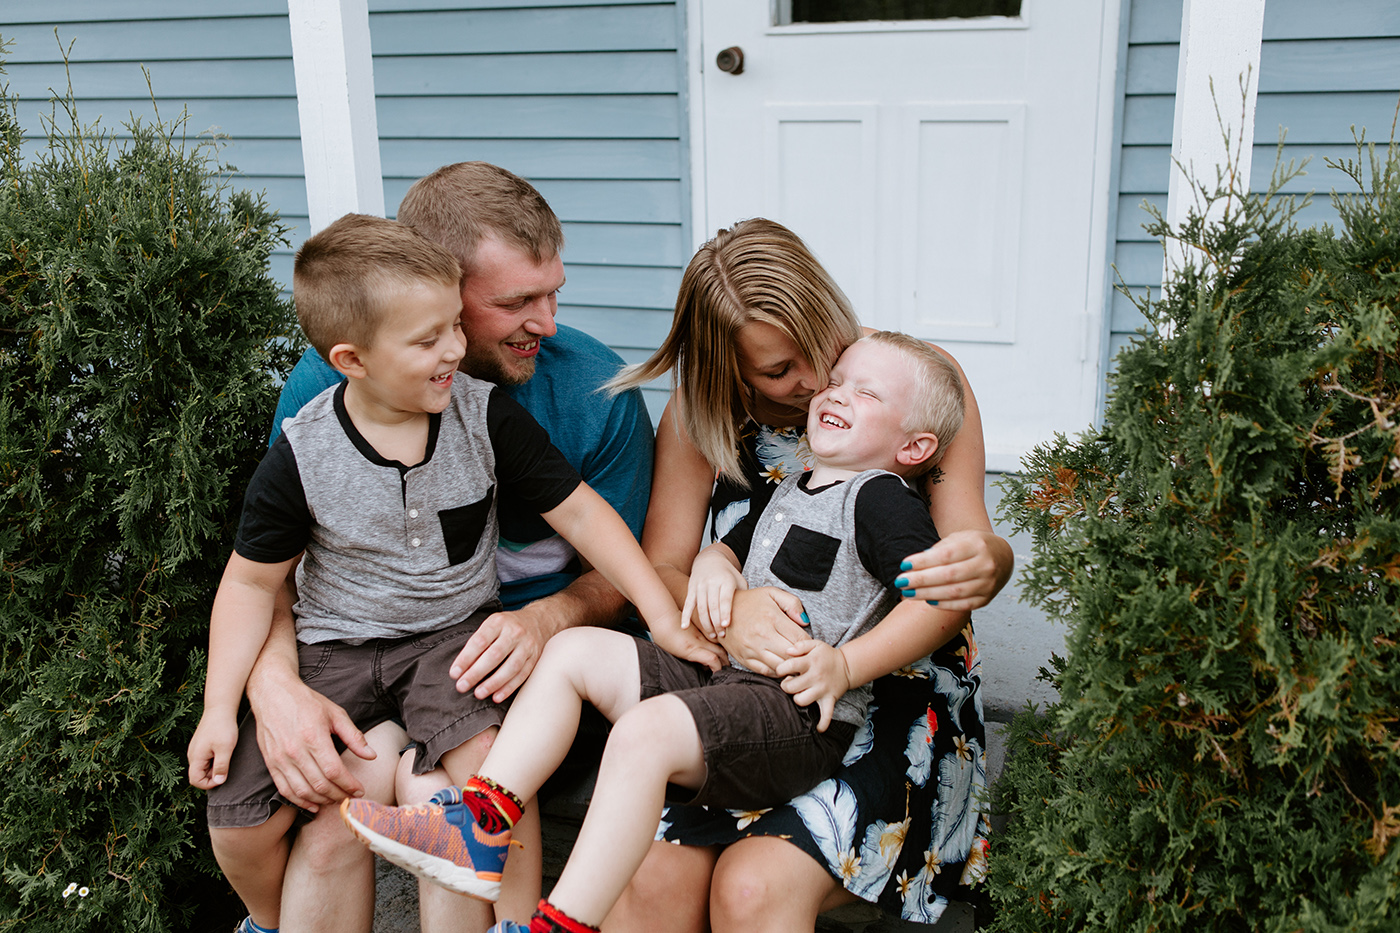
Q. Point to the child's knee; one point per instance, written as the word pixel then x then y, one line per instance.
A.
pixel 236 846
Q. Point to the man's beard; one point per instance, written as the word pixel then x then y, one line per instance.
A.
pixel 487 364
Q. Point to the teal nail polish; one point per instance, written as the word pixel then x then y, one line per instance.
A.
pixel 908 593
pixel 805 620
pixel 931 602
pixel 905 565
pixel 902 583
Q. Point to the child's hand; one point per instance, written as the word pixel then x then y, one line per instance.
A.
pixel 210 750
pixel 688 644
pixel 816 673
pixel 713 580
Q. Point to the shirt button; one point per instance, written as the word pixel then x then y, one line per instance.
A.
pixel 416 542
pixel 767 541
pixel 778 517
pixel 412 513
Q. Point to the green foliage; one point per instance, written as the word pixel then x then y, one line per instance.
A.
pixel 141 343
pixel 1226 554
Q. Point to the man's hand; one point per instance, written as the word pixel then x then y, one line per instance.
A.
pixel 816 673
pixel 295 731
pixel 502 652
pixel 210 750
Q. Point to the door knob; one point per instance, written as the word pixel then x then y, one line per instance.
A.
pixel 731 60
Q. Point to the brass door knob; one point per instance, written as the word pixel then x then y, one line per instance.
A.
pixel 731 60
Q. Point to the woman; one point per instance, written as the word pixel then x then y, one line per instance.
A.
pixel 758 324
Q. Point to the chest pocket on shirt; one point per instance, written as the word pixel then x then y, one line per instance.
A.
pixel 805 559
pixel 462 527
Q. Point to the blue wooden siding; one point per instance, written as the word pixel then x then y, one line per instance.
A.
pixel 1324 68
pixel 584 98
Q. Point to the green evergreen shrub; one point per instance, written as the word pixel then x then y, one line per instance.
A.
pixel 141 344
pixel 1225 551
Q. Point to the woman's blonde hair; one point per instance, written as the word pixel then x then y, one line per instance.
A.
pixel 757 271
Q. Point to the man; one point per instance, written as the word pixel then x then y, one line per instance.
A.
pixel 508 241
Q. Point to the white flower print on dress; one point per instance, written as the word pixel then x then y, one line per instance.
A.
pixel 883 843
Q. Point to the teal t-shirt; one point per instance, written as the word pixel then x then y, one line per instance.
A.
pixel 608 439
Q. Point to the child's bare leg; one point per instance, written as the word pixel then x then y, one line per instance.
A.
pixel 579 665
pixel 654 743
pixel 438 908
pixel 329 887
pixel 254 859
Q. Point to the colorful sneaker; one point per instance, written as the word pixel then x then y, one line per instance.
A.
pixel 439 841
pixel 509 926
pixel 246 925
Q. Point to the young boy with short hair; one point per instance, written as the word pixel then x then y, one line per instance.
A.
pixel 384 488
pixel 836 535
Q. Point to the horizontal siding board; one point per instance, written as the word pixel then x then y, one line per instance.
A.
pixel 622 327
pixel 1139 264
pixel 1126 318
pixel 638 116
pixel 1147 169
pixel 538 158
pixel 626 244
pixel 552 73
pixel 86 11
pixel 1300 66
pixel 1160 20
pixel 619 286
pixel 1132 218
pixel 538 30
pixel 390 6
pixel 237 117
pixel 646 202
pixel 1324 119
pixel 168 40
pixel 187 79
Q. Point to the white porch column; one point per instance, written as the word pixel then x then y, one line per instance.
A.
pixel 1220 42
pixel 335 101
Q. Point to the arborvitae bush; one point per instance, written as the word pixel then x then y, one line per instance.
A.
pixel 141 343
pixel 1226 554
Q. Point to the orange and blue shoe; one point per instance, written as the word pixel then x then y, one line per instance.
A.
pixel 439 841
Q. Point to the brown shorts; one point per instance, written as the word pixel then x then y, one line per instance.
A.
pixel 405 679
pixel 761 748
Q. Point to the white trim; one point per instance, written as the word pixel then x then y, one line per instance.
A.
pixel 695 86
pixel 335 104
pixel 1101 209
pixel 1220 42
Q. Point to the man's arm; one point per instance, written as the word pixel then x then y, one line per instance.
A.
pixel 296 725
pixel 504 650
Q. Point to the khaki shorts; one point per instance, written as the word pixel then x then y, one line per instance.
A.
pixel 403 679
pixel 761 748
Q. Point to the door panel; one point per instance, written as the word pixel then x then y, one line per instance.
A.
pixel 949 174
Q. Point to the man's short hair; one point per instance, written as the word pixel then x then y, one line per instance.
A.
pixel 938 391
pixel 345 275
pixel 460 204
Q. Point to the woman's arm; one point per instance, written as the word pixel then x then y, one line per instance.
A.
pixel 971 563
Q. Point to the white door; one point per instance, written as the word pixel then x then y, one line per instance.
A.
pixel 951 174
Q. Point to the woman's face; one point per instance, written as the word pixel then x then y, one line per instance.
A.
pixel 778 373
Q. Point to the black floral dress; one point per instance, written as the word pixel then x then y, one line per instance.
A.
pixel 903 822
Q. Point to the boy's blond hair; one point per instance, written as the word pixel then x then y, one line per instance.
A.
pixel 756 271
pixel 344 276
pixel 938 392
pixel 459 204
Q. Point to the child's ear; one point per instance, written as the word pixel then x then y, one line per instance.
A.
pixel 346 360
pixel 917 449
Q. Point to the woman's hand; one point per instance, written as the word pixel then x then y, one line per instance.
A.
pixel 765 622
pixel 961 572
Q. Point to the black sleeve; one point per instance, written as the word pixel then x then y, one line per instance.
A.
pixel 740 537
pixel 276 522
pixel 534 470
pixel 892 522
